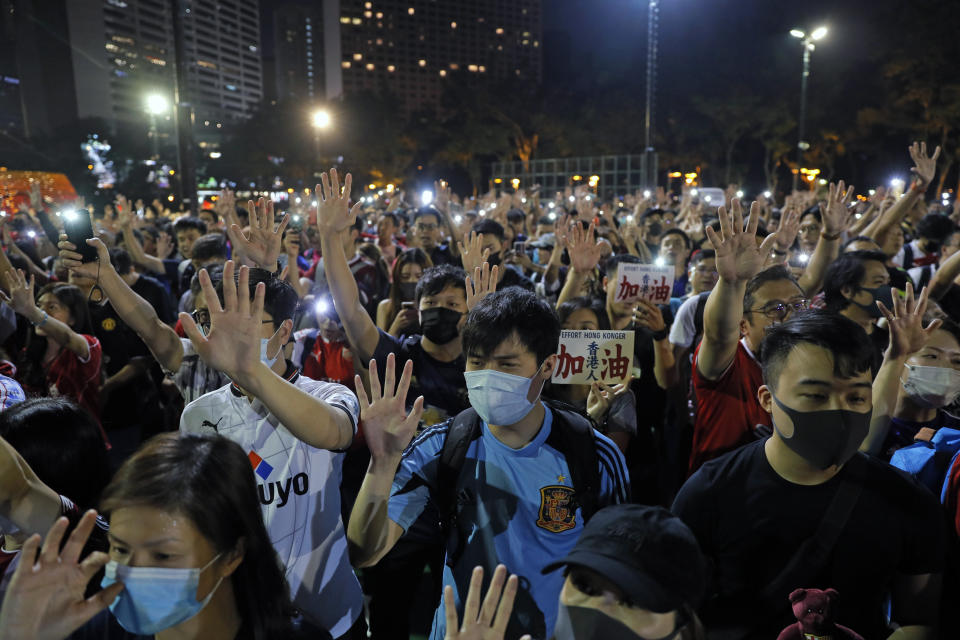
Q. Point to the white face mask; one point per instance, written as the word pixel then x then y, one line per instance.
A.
pixel 933 387
pixel 499 398
pixel 264 358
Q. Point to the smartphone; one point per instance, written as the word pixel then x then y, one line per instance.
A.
pixel 79 229
pixel 407 305
pixel 519 247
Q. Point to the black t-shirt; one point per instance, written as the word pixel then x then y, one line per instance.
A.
pixel 750 521
pixel 157 295
pixel 441 384
pixel 441 255
pixel 950 302
pixel 513 278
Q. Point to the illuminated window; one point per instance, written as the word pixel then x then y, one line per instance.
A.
pixel 368 14
pixel 379 41
pixel 499 31
pixel 454 66
pixel 367 5
pixel 344 20
pixel 422 63
pixel 453 25
pixel 356 21
pixel 536 43
pixel 483 69
pixel 443 73
pixel 345 64
pixel 391 68
pixel 472 68
pixel 206 65
pixel 370 66
pixel 358 56
pixel 411 11
pixel 379 15
pixel 111 47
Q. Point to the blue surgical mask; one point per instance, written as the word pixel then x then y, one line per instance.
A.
pixel 155 598
pixel 264 358
pixel 499 398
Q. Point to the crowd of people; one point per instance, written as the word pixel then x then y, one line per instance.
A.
pixel 303 420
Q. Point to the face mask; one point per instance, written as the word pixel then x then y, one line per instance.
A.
pixel 883 294
pixel 825 438
pixel 933 387
pixel 654 229
pixel 263 352
pixel 154 598
pixel 439 324
pixel 586 623
pixel 494 259
pixel 499 398
pixel 408 290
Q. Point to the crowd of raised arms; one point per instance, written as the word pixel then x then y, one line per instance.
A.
pixel 309 422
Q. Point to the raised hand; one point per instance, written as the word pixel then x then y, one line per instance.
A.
pixel 483 283
pixel 20 296
pixel 925 167
pixel 73 261
pixel 263 244
pixel 648 315
pixel 738 256
pixel 472 253
pixel 441 195
pixel 164 245
pixel 334 214
pixel 488 622
pixel 789 228
pixel 45 599
pixel 121 203
pixel 837 215
pixel 232 344
pixel 905 323
pixel 387 426
pixel 583 250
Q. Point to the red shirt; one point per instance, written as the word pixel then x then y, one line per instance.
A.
pixel 78 379
pixel 727 408
pixel 327 362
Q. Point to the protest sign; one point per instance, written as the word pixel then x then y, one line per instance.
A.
pixel 594 356
pixel 644 282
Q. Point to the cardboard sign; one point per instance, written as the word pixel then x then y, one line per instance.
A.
pixel 594 356
pixel 644 282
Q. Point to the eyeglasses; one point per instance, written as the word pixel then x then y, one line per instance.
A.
pixel 780 310
pixel 809 228
pixel 426 226
pixel 706 270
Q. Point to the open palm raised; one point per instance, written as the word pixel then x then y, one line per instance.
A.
pixel 738 256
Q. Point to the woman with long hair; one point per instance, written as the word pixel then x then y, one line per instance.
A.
pixel 61 356
pixel 392 316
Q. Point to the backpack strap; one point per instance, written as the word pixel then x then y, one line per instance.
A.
pixel 464 429
pixel 576 439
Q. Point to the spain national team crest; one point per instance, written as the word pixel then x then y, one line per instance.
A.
pixel 557 511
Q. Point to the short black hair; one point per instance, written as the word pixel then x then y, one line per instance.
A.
pixel 597 305
pixel 653 211
pixel 428 210
pixel 846 341
pixel 516 215
pixel 936 227
pixel 183 224
pixel 846 271
pixel 947 324
pixel 63 445
pixel 280 300
pixel 677 232
pixel 812 211
pixel 703 254
pixel 859 239
pixel 488 227
pixel 120 260
pixel 544 220
pixel 770 274
pixel 436 279
pixel 505 313
pixel 610 266
pixel 392 217
pixel 208 247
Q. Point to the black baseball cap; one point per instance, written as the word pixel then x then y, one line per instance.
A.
pixel 648 552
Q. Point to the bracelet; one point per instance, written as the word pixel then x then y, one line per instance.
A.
pixel 662 334
pixel 831 236
pixel 46 316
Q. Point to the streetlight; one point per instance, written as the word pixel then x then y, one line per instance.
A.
pixel 321 120
pixel 650 156
pixel 807 43
pixel 156 105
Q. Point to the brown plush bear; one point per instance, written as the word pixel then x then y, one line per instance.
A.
pixel 815 611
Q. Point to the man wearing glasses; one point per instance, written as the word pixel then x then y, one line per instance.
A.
pixel 743 304
pixel 429 233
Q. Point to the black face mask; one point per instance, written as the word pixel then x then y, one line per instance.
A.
pixel 585 623
pixel 408 290
pixel 439 324
pixel 883 294
pixel 494 259
pixel 825 438
pixel 654 229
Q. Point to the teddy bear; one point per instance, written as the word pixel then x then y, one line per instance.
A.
pixel 815 611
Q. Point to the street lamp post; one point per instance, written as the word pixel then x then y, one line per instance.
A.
pixel 807 43
pixel 649 155
pixel 156 105
pixel 321 120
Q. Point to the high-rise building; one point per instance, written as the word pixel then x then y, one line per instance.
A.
pixel 298 52
pixel 411 47
pixel 118 52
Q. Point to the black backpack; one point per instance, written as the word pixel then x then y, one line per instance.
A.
pixel 576 443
